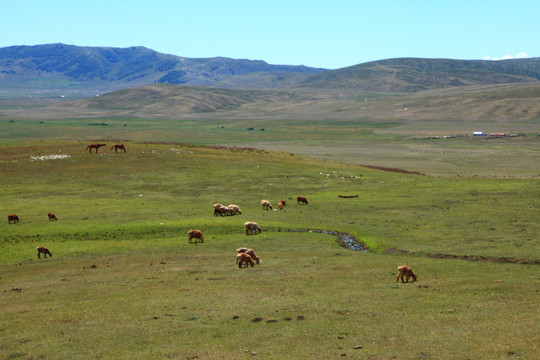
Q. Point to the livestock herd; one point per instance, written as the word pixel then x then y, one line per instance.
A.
pixel 245 256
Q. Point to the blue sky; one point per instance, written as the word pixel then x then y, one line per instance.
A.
pixel 329 34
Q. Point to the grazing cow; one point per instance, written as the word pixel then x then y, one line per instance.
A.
pixel 301 200
pixel 94 146
pixel 266 205
pixel 251 227
pixel 52 216
pixel 120 147
pixel 13 218
pixel 236 209
pixel 195 234
pixel 44 251
pixel 405 271
pixel 244 259
pixel 250 252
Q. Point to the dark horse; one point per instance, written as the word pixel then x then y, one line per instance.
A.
pixel 94 146
pixel 120 147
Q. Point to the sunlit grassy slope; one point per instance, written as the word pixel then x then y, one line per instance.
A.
pixel 124 283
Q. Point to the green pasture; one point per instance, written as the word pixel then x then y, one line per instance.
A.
pixel 436 148
pixel 124 283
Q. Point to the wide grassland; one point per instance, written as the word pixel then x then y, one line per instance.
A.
pixel 124 283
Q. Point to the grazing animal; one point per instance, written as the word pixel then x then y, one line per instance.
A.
pixel 250 252
pixel 94 146
pixel 235 208
pixel 120 147
pixel 195 234
pixel 266 205
pixel 52 216
pixel 284 202
pixel 244 259
pixel 223 210
pixel 301 200
pixel 217 209
pixel 44 251
pixel 13 218
pixel 227 211
pixel 405 271
pixel 280 205
pixel 251 227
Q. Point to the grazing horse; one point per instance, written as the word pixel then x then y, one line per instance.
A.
pixel 405 271
pixel 52 216
pixel 120 147
pixel 44 251
pixel 13 218
pixel 94 146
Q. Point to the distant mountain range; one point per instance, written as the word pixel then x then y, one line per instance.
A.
pixel 47 69
pixel 68 67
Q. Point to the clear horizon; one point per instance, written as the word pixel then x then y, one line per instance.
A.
pixel 327 34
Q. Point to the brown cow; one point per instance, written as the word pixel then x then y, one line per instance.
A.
pixel 94 146
pixel 250 252
pixel 195 234
pixel 44 251
pixel 120 147
pixel 244 259
pixel 405 271
pixel 301 200
pixel 13 218
pixel 251 227
pixel 52 216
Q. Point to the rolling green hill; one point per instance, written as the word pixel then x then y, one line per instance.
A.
pixel 413 74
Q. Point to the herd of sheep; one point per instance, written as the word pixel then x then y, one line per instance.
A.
pixel 245 256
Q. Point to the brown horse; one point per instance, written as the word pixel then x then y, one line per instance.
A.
pixel 94 146
pixel 120 147
pixel 52 216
